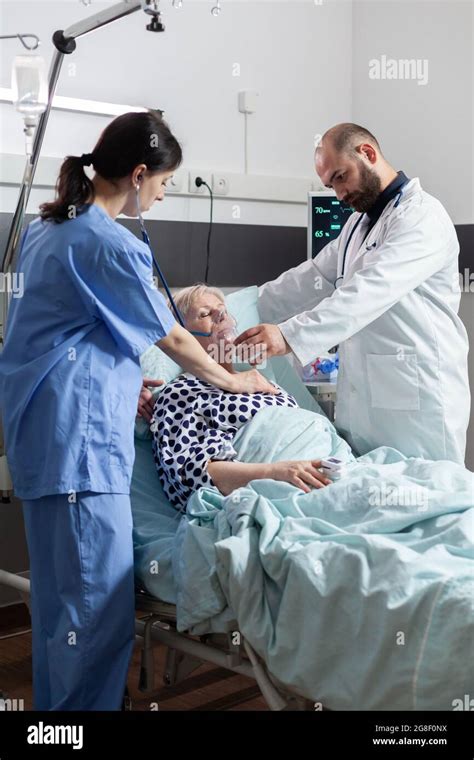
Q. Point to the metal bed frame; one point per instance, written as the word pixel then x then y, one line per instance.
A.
pixel 185 653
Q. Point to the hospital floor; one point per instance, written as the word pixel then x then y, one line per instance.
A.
pixel 208 688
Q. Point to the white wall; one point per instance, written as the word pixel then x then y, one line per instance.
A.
pixel 310 64
pixel 283 50
pixel 426 130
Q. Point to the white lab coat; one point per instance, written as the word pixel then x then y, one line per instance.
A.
pixel 403 379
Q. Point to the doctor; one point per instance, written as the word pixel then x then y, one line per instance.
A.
pixel 387 292
pixel 69 385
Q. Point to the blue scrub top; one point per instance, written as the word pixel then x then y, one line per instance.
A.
pixel 70 375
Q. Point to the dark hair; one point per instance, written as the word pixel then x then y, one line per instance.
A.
pixel 129 140
pixel 345 137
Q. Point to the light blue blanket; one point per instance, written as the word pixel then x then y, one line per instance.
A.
pixel 358 595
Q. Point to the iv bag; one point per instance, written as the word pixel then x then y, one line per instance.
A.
pixel 29 85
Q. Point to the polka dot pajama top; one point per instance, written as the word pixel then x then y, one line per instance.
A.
pixel 194 422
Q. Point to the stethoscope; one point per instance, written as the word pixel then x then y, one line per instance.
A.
pixel 146 240
pixel 367 247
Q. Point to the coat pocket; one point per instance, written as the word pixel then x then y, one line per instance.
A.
pixel 393 381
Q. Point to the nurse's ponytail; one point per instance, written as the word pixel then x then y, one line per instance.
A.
pixel 129 140
pixel 73 188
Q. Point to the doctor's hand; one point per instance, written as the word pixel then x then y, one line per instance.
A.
pixel 261 343
pixel 146 401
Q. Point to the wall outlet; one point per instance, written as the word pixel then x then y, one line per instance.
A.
pixel 220 184
pixel 177 182
pixel 192 182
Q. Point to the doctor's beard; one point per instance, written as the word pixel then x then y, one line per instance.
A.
pixel 370 188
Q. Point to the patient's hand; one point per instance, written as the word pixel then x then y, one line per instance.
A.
pixel 229 475
pixel 303 474
pixel 146 400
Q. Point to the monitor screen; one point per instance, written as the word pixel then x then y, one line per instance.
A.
pixel 326 218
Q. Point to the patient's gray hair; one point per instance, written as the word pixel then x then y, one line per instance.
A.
pixel 186 297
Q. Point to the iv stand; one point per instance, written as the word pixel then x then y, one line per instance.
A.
pixel 65 43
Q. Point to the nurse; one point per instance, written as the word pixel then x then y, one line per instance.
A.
pixel 70 382
pixel 387 292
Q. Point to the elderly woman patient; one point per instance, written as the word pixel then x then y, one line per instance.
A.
pixel 194 423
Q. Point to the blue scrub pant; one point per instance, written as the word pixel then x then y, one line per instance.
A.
pixel 82 599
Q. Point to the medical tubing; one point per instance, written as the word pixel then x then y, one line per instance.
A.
pixel 146 240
